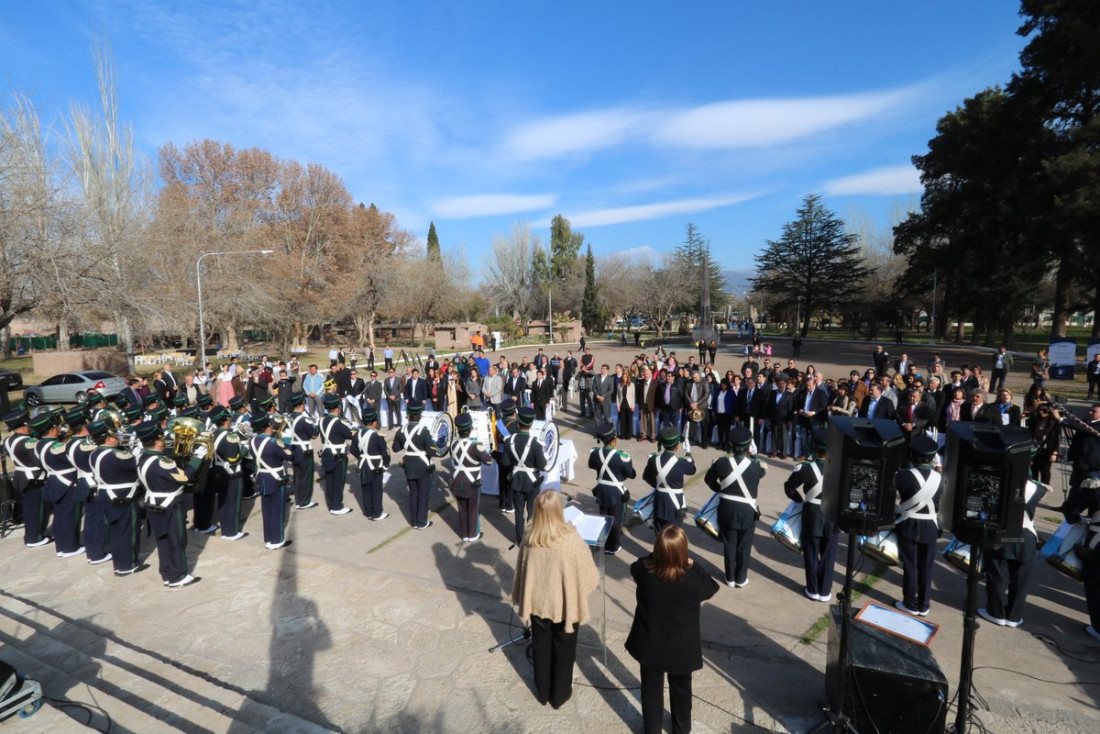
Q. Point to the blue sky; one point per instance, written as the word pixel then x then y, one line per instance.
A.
pixel 630 118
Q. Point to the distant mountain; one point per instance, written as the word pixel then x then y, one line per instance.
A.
pixel 737 281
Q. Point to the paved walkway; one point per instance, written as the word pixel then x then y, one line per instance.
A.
pixel 364 627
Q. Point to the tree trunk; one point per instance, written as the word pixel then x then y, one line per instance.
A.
pixel 960 331
pixel 1062 282
pixel 1008 331
pixel 5 334
pixel 372 316
pixel 230 342
pixel 62 334
pixel 1096 310
pixel 126 340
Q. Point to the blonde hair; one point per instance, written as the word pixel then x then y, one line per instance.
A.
pixel 548 524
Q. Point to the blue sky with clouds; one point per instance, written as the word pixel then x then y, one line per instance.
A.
pixel 630 118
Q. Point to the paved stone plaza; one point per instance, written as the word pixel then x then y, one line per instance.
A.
pixel 375 627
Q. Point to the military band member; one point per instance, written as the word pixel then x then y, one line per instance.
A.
pixel 665 472
pixel 415 439
pixel 467 458
pixel 164 482
pixel 36 509
pixel 374 460
pixel 240 415
pixel 523 456
pixel 736 478
pixel 819 537
pixel 114 470
pixel 504 474
pixel 1008 567
pixel 68 506
pixel 224 480
pixel 917 525
pixel 613 467
pixel 302 430
pixel 206 407
pixel 271 479
pixel 335 436
pixel 96 502
pixel 204 496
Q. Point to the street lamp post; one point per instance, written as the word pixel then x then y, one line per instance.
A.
pixel 198 285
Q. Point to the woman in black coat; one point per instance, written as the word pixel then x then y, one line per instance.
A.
pixel 665 636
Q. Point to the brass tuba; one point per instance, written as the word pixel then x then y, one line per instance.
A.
pixel 187 435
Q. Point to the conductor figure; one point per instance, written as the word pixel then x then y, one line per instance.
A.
pixel 917 525
pixel 612 467
pixel 665 472
pixel 736 479
pixel 819 536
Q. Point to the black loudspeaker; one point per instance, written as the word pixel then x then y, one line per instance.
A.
pixel 863 457
pixel 984 475
pixel 893 685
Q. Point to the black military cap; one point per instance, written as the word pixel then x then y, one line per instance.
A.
pixel 296 399
pixel 414 408
pixel 923 446
pixel 740 438
pixel 526 417
pixel 259 421
pixel 236 403
pixel 146 431
pixel 605 432
pixel 370 415
pixel 464 423
pixel 15 419
pixel 669 437
pixel 204 401
pixel 331 401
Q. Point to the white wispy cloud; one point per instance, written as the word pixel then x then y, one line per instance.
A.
pixel 885 181
pixel 655 210
pixel 641 253
pixel 486 205
pixel 558 136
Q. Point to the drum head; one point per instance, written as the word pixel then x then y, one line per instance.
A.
pixel 547 434
pixel 443 433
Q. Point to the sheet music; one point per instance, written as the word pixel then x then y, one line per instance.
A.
pixel 589 526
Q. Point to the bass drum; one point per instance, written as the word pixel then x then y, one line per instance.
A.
pixel 957 553
pixel 707 517
pixel 442 428
pixel 643 509
pixel 1060 550
pixel 547 434
pixel 882 547
pixel 788 528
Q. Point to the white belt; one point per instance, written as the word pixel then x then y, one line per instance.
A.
pixel 161 499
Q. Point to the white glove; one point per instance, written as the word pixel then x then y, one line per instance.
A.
pixel 200 451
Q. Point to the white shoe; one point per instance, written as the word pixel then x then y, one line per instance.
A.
pixel 824 597
pixel 104 559
pixel 188 579
pixel 305 507
pixel 240 534
pixel 341 511
pixel 38 544
pixel 277 546
pixel 383 516
pixel 731 584
pixel 815 597
pixel 509 512
pixel 78 552
pixel 984 614
pixel 425 526
pixel 907 610
pixel 475 538
pixel 743 584
pixel 1017 623
pixel 207 531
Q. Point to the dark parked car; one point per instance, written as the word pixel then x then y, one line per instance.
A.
pixel 10 380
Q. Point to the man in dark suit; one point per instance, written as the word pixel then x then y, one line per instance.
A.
pixel 697 395
pixel 542 392
pixel 540 360
pixel 979 411
pixel 568 369
pixel 670 399
pixel 811 405
pixel 876 406
pixel 914 416
pixel 372 393
pixel 752 402
pixel 515 386
pixel 416 388
pixel 353 405
pixel 779 413
pixel 603 394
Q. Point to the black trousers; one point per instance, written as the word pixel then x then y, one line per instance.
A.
pixel 36 514
pixel 371 485
pixel 917 561
pixel 273 508
pixel 303 479
pixel 626 421
pixel 819 557
pixel 228 497
pixel 125 535
pixel 997 381
pixel 205 500
pixel 95 526
pixel 67 511
pixel 504 488
pixel 524 506
pixel 587 408
pixel 653 700
pixel 469 514
pixel 555 652
pixel 737 550
pixel 1007 579
pixel 170 532
pixel 615 511
pixel 418 499
pixel 336 471
pixel 1091 570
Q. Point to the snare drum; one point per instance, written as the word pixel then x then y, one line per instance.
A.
pixel 957 554
pixel 643 508
pixel 788 528
pixel 707 518
pixel 883 547
pixel 1059 550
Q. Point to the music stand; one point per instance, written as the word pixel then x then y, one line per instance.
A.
pixel 594 530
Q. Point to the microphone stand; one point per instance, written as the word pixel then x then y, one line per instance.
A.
pixel 970 629
pixel 835 717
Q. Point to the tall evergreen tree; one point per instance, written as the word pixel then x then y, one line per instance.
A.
pixel 592 317
pixel 434 253
pixel 815 265
pixel 691 255
pixel 565 246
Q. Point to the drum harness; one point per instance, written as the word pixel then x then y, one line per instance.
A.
pixel 339 449
pixel 1094 530
pixel 605 475
pixel 410 430
pixel 60 474
pixel 116 492
pixel 87 476
pixel 813 494
pixel 301 443
pixel 735 476
pixel 262 467
pixel 461 455
pixel 158 501
pixel 1030 488
pixel 232 469
pixel 32 473
pixel 676 495
pixel 521 461
pixel 366 458
pixel 920 506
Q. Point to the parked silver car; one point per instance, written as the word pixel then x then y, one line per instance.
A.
pixel 72 387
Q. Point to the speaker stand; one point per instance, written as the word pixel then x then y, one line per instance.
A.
pixel 836 719
pixel 970 629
